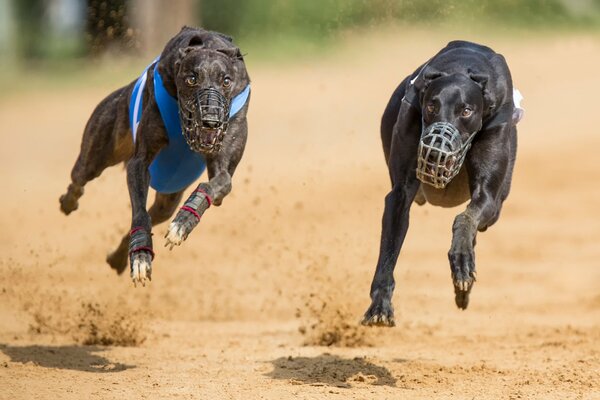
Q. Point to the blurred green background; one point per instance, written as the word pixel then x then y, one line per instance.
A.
pixel 65 36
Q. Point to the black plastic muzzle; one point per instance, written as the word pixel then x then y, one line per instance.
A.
pixel 204 120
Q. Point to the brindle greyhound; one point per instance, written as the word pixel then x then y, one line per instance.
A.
pixel 466 93
pixel 187 111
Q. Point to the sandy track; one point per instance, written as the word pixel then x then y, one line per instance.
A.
pixel 296 243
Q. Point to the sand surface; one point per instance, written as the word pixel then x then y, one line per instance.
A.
pixel 244 308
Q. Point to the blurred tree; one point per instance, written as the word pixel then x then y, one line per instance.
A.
pixel 107 27
pixel 315 19
pixel 35 29
pixel 7 32
pixel 30 28
pixel 227 16
pixel 156 21
pixel 66 26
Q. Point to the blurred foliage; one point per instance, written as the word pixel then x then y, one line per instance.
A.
pixel 319 18
pixel 278 28
pixel 107 26
pixel 30 17
pixel 270 30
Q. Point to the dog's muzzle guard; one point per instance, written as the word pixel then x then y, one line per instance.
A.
pixel 441 154
pixel 204 119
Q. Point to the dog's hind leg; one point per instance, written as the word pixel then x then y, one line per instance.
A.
pixel 163 208
pixel 106 141
pixel 83 172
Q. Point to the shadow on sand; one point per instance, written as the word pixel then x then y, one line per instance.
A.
pixel 80 358
pixel 330 370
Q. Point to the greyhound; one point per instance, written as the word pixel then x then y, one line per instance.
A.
pixel 186 112
pixel 449 135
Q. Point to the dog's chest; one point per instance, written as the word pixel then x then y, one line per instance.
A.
pixel 176 166
pixel 454 194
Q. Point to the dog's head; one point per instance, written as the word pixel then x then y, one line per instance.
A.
pixel 453 107
pixel 458 99
pixel 206 81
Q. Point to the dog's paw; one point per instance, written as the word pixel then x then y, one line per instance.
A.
pixel 68 204
pixel 461 295
pixel 381 312
pixel 185 221
pixel 175 235
pixel 141 267
pixel 462 266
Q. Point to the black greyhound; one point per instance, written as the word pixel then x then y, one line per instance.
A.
pixel 456 107
pixel 186 112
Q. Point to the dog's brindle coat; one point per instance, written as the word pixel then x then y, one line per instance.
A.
pixel 470 86
pixel 107 139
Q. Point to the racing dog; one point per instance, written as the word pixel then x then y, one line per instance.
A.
pixel 449 134
pixel 186 112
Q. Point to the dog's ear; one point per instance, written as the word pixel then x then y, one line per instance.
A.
pixel 182 52
pixel 430 74
pixel 196 41
pixel 427 76
pixel 482 81
pixel 232 52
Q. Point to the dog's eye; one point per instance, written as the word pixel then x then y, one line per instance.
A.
pixel 430 108
pixel 466 112
pixel 191 80
pixel 226 81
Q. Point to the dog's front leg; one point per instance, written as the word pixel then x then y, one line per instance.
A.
pixel 199 201
pixel 221 168
pixel 140 242
pixel 151 139
pixel 488 164
pixel 462 250
pixel 394 228
pixel 402 164
pixel 189 215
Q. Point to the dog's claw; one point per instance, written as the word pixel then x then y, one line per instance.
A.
pixel 462 266
pixel 462 290
pixel 141 268
pixel 175 235
pixel 380 313
pixel 378 320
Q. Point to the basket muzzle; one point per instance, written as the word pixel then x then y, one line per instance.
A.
pixel 204 120
pixel 441 154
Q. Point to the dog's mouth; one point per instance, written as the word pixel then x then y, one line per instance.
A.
pixel 441 154
pixel 204 120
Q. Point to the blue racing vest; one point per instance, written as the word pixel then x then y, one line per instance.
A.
pixel 176 166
